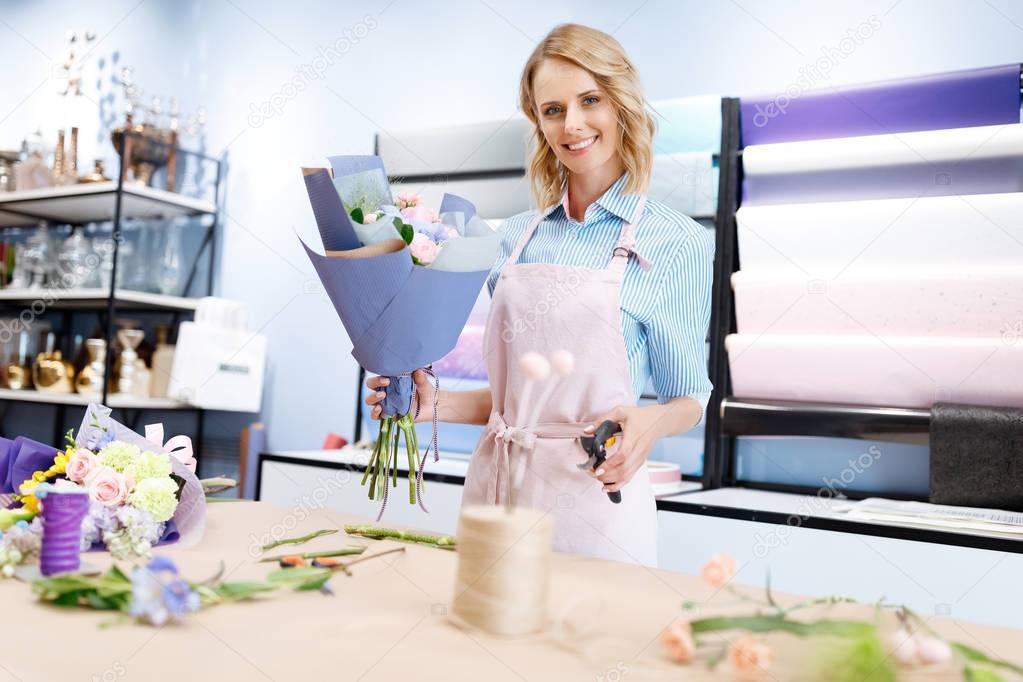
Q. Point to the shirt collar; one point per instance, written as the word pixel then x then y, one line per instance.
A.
pixel 614 200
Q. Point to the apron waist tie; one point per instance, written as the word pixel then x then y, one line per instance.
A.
pixel 525 437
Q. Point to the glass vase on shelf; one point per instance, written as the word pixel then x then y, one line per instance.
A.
pixel 37 256
pixel 170 260
pixel 72 260
pixel 131 258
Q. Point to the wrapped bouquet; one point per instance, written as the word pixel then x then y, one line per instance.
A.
pixel 142 491
pixel 387 265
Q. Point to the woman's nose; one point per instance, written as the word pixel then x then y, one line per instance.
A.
pixel 573 119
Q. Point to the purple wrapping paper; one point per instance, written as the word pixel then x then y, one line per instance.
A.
pixel 976 97
pixel 399 316
pixel 24 456
pixel 62 514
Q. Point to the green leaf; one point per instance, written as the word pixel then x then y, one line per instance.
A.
pixel 839 628
pixel 977 656
pixel 974 674
pixel 301 578
pixel 357 215
pixel 237 591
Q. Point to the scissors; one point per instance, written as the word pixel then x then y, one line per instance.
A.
pixel 596 447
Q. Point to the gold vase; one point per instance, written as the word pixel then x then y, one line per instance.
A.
pixel 52 373
pixel 90 380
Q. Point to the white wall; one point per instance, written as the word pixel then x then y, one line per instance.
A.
pixel 423 64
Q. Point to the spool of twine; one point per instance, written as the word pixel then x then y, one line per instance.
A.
pixel 503 569
pixel 62 514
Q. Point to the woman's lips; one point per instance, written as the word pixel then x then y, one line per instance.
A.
pixel 580 152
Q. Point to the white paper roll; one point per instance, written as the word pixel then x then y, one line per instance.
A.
pixel 823 240
pixel 687 183
pixel 889 303
pixel 870 370
pixel 987 159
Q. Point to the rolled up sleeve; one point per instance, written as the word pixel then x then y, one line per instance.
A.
pixel 677 328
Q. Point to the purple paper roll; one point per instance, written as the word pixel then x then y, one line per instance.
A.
pixel 62 514
pixel 976 97
pixel 24 458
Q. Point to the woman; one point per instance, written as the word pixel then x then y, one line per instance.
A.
pixel 621 282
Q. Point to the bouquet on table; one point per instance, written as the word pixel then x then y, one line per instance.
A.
pixel 388 266
pixel 142 491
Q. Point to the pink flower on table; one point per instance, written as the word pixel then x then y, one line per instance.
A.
pixel 108 487
pixel 81 464
pixel 678 641
pixel 408 199
pixel 750 658
pixel 719 570
pixel 424 248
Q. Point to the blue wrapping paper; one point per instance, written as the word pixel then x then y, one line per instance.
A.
pixel 399 316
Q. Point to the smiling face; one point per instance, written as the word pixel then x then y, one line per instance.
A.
pixel 577 118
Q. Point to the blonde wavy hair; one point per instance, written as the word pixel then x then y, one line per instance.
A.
pixel 604 58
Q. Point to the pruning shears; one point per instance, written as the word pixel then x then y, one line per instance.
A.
pixel 596 447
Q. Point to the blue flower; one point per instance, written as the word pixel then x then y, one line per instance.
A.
pixel 158 595
pixel 162 563
pixel 179 598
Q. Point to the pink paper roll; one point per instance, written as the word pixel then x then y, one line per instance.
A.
pixel 869 370
pixel 889 303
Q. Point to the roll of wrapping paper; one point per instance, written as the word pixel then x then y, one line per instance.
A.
pixel 686 182
pixel 904 302
pixel 981 160
pixel 958 99
pixel 62 513
pixel 822 240
pixel 873 370
pixel 687 124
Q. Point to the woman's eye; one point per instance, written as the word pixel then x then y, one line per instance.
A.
pixel 553 111
pixel 592 99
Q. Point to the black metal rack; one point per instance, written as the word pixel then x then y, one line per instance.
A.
pixel 146 203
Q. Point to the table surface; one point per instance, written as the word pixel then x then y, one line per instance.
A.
pixel 389 620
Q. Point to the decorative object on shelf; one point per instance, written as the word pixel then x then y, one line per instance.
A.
pixel 417 257
pixel 96 175
pixel 62 510
pixel 162 363
pixel 89 381
pixel 31 171
pixel 140 380
pixel 36 257
pixel 8 159
pixel 72 260
pixel 129 340
pixel 16 372
pixel 51 373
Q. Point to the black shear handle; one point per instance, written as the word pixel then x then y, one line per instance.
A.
pixel 596 448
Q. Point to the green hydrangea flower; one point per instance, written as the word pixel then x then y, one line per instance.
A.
pixel 158 496
pixel 118 455
pixel 149 465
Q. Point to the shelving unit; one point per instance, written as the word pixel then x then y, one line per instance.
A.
pixel 112 201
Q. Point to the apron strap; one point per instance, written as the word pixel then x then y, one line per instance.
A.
pixel 514 257
pixel 626 246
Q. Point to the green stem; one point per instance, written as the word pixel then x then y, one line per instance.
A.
pixel 394 455
pixel 299 540
pixel 410 450
pixel 344 551
pixel 378 533
pixel 382 443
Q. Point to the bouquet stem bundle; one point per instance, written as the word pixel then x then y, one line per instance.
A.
pixel 383 463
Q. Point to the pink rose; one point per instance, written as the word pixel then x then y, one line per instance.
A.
pixel 369 218
pixel 81 464
pixel 750 659
pixel 422 213
pixel 423 248
pixel 719 570
pixel 408 199
pixel 677 639
pixel 108 487
pixel 451 233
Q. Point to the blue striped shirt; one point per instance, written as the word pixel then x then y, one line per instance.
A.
pixel 665 311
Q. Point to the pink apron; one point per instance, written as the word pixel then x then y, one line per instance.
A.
pixel 544 308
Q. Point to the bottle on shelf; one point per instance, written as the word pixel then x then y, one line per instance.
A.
pixel 163 360
pixel 89 381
